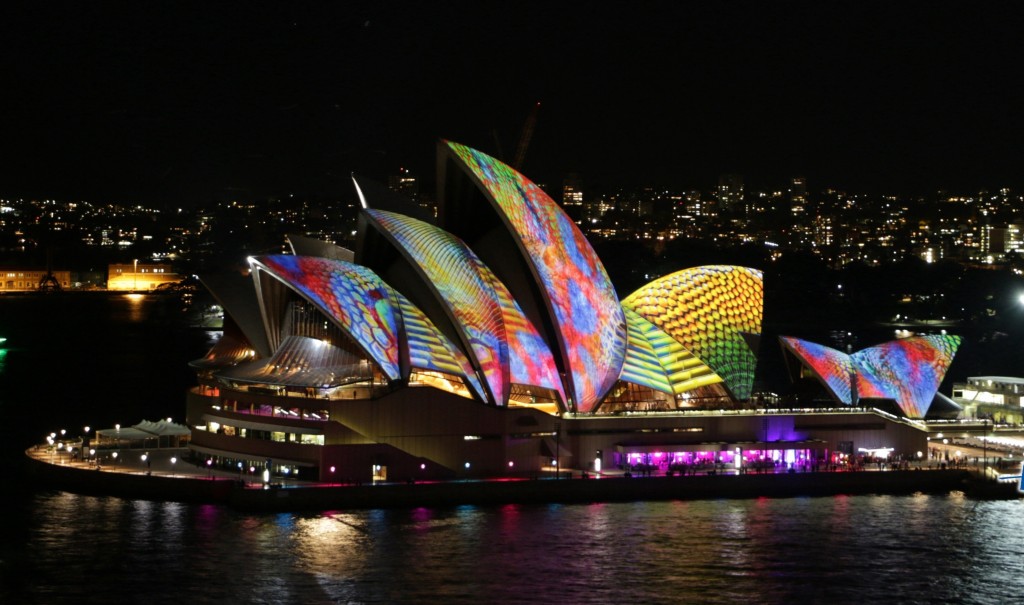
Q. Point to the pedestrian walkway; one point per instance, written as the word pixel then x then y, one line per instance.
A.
pixel 164 462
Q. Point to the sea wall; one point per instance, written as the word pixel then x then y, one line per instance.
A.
pixel 602 490
pixel 198 489
pixel 128 485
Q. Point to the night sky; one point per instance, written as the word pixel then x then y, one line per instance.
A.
pixel 189 102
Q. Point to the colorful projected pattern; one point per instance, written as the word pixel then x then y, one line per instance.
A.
pixel 908 370
pixel 832 367
pixel 354 296
pixel 429 349
pixel 706 309
pixel 685 371
pixel 456 274
pixel 530 359
pixel 642 365
pixel 587 317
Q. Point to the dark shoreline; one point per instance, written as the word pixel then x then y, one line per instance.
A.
pixel 203 490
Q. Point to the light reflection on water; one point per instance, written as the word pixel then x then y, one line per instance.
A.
pixel 64 548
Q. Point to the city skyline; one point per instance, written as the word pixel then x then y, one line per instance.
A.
pixel 173 104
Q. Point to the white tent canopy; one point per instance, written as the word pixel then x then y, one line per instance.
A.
pixel 145 430
pixel 163 428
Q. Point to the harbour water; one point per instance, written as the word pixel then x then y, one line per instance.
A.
pixel 919 549
pixel 99 360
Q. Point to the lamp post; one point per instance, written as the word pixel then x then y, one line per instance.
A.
pixel 984 446
pixel 558 450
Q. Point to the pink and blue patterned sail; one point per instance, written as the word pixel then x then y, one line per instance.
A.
pixel 581 302
pixel 832 367
pixel 352 295
pixel 530 359
pixel 458 278
pixel 908 370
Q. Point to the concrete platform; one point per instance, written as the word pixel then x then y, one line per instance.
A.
pixel 186 483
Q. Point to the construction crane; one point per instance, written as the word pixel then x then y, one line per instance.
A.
pixel 524 137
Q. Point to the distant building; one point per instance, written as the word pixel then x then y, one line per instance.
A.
pixel 572 190
pixel 29 280
pixel 1000 398
pixel 693 204
pixel 140 277
pixel 823 234
pixel 798 196
pixel 1000 240
pixel 405 183
pixel 730 192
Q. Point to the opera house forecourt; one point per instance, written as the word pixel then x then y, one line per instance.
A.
pixel 488 342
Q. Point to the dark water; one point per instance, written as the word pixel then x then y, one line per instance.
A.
pixel 919 549
pixel 103 360
pixel 93 359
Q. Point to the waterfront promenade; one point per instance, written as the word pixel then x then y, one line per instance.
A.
pixel 158 478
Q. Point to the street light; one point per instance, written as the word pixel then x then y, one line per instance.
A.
pixel 984 445
pixel 558 450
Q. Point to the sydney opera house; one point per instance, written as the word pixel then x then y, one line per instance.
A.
pixel 488 341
